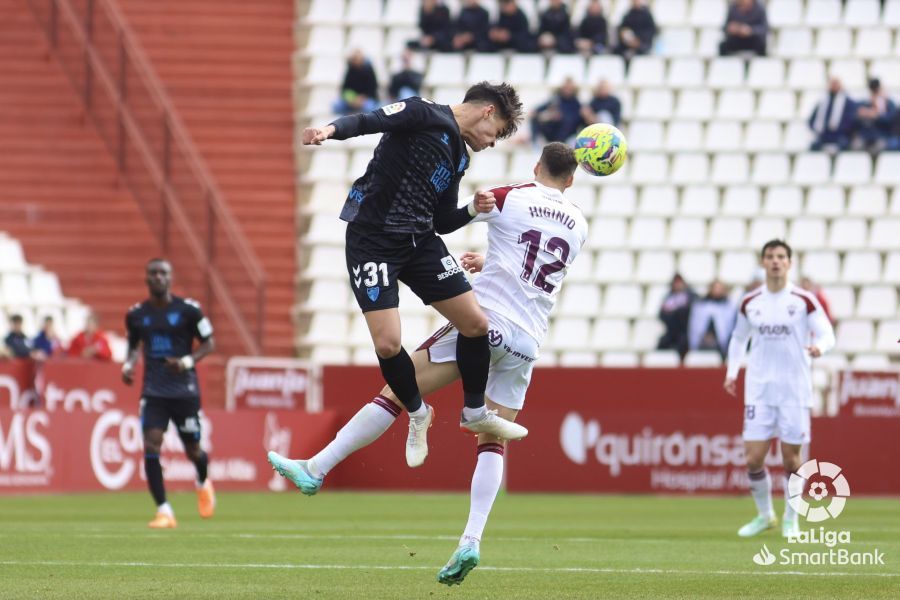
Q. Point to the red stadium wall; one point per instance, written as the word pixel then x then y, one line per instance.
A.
pixel 609 431
pixel 591 430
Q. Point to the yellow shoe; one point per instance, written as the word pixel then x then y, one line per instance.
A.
pixel 206 499
pixel 163 521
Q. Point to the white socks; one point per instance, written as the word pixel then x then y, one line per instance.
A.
pixel 365 427
pixel 486 482
pixel 473 414
pixel 761 490
pixel 166 509
pixel 789 512
pixel 419 414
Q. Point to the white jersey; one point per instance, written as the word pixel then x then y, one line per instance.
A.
pixel 780 326
pixel 534 235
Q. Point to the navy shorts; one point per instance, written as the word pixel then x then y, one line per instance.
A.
pixel 376 261
pixel 184 412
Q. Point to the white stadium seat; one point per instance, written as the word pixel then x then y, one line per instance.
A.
pixel 694 104
pixel 614 266
pixel 730 168
pixel 708 41
pixel 579 299
pixel 44 288
pixel 762 136
pixel 726 73
pixel 328 294
pixel 877 302
pixel 794 42
pixel 647 232
pixel 778 105
pixel 646 334
pixel 610 334
pixel 527 70
pixel 812 168
pixel 565 66
pixel 617 201
pixel 366 37
pixel 852 168
pixel 619 360
pixel 727 233
pixel 766 73
pixel 851 72
pixel 870 362
pixel 737 268
pixel 769 168
pixel 887 70
pixel 655 266
pixel 886 338
pixel 14 289
pixel 622 300
pixel 698 266
pixel 763 229
pixel 653 300
pixel 658 201
pixel 654 104
pixel 699 200
pixel 741 201
pixel 569 333
pixel 648 167
pixel 807 233
pixel 848 234
pixel 610 67
pixel 687 232
pixel 736 104
pixel 885 234
pixel 892 13
pixel 607 233
pixel 690 167
pixel 661 359
pixel 707 13
pixel 783 200
pixel 821 13
pixel 723 136
pixel 677 41
pixel 445 69
pixel 325 229
pixel 686 72
pixel 854 336
pixel 867 201
pixel 862 13
pixel 645 135
pixel 704 359
pixel 670 12
pixel 325 40
pixel 12 258
pixel 578 359
pixel 647 71
pixel 325 12
pixel 401 12
pixel 887 168
pixel 892 268
pixel 876 43
pixel 862 268
pixel 833 42
pixel 683 135
pixel 806 73
pixel 785 13
pixel 363 12
pixel 485 67
pixel 325 69
pixel 841 301
pixel 825 201
pixel 823 266
pixel 326 328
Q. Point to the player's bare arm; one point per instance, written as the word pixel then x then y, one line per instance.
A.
pixel 472 262
pixel 187 362
pixel 130 362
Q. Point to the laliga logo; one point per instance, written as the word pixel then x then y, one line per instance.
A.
pixel 827 487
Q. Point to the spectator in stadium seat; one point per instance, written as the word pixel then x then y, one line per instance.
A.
pixel 833 118
pixel 807 284
pixel 746 28
pixel 555 30
pixel 16 344
pixel 471 31
pixel 91 343
pixel 407 81
pixel 893 141
pixel 359 91
pixel 874 119
pixel 46 343
pixel 712 320
pixel 559 118
pixel 636 31
pixel 511 31
pixel 674 313
pixel 593 33
pixel 437 29
pixel 603 107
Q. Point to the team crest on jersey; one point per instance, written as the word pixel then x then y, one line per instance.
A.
pixel 393 109
pixel 173 318
pixel 373 293
pixel 146 321
pixel 445 138
pixel 791 309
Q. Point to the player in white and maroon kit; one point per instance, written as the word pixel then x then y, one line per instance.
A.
pixel 786 327
pixel 534 235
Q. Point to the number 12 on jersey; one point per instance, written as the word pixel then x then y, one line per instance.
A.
pixel 532 241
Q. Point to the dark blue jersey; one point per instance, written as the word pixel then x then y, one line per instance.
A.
pixel 167 332
pixel 412 182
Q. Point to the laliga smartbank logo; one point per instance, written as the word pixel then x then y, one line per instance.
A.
pixel 818 491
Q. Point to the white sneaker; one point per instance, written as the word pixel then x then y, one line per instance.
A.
pixel 759 524
pixel 417 439
pixel 495 425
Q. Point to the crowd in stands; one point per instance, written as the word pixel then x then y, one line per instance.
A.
pixel 563 115
pixel 840 122
pixel 692 322
pixel 91 343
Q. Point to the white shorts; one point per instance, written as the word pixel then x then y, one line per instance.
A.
pixel 513 353
pixel 790 424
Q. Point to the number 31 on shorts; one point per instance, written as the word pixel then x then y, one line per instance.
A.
pixel 371 271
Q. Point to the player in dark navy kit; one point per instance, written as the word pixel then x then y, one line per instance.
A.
pixel 166 326
pixel 407 194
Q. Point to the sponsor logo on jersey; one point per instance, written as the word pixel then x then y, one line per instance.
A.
pixel 356 195
pixel 462 164
pixel 445 139
pixel 495 338
pixel 775 330
pixel 451 267
pixel 393 109
pixel 440 179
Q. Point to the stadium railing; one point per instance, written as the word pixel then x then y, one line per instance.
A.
pixel 158 160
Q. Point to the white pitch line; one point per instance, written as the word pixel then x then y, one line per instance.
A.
pixel 597 570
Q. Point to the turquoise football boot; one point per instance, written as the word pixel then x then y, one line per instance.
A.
pixel 464 559
pixel 296 472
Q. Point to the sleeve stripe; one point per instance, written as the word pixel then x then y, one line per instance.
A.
pixel 747 300
pixel 810 305
pixel 501 192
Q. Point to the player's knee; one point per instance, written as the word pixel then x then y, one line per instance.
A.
pixel 387 347
pixel 476 326
pixel 755 464
pixel 152 447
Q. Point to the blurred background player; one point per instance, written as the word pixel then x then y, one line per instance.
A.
pixel 786 327
pixel 166 325
pixel 408 193
pixel 534 235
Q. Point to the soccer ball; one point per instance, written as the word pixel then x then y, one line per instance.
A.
pixel 601 149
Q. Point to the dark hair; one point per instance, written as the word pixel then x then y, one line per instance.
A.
pixel 504 98
pixel 15 318
pixel 559 160
pixel 874 84
pixel 776 244
pixel 157 259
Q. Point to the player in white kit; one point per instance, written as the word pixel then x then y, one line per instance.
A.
pixel 534 235
pixel 786 327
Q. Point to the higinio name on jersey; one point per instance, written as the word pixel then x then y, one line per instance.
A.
pixel 549 213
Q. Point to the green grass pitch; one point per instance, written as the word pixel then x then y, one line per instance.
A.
pixel 363 545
